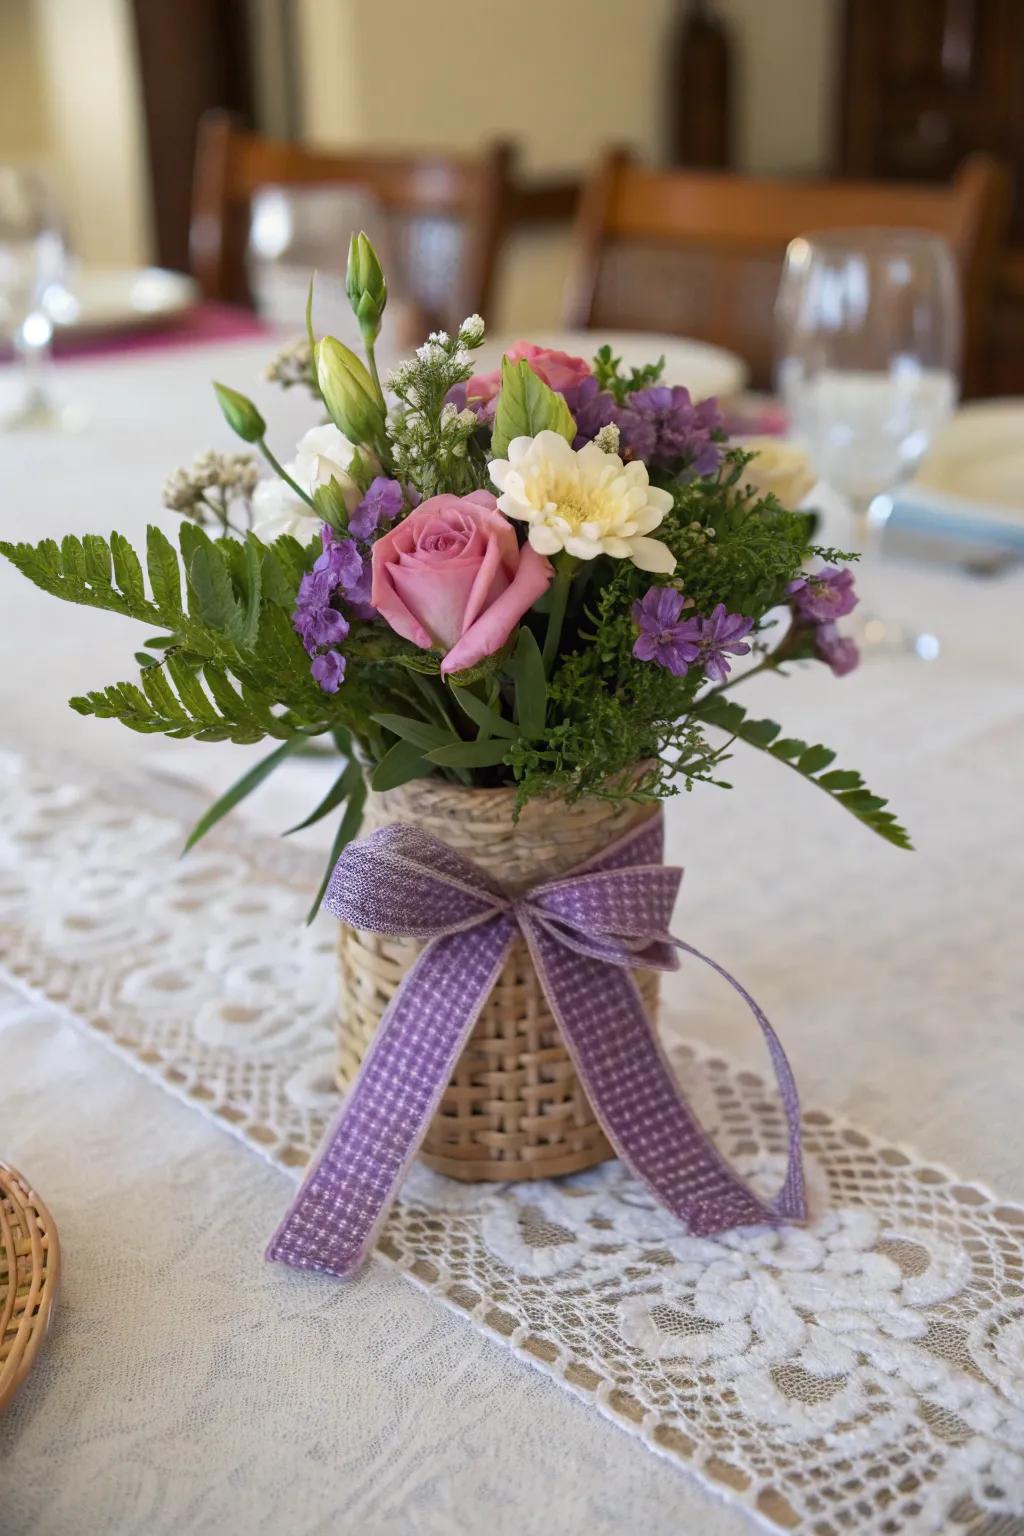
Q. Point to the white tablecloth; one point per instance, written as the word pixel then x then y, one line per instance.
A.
pixel 894 978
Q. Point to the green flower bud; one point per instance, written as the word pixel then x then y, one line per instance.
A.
pixel 350 394
pixel 365 285
pixel 240 414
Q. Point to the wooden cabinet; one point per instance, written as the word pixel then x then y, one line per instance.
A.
pixel 922 84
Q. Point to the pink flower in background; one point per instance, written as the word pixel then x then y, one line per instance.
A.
pixel 452 577
pixel 558 370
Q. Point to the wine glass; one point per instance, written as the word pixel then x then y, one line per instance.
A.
pixel 32 265
pixel 868 324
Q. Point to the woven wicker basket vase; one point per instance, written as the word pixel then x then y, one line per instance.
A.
pixel 514 1108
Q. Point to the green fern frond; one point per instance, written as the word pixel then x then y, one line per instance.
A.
pixel 844 785
pixel 170 698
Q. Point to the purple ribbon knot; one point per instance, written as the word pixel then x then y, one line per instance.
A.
pixel 586 933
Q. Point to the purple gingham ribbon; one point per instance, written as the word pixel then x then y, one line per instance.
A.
pixel 586 932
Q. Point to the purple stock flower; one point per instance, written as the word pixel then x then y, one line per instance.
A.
pixel 662 426
pixel 319 626
pixel 722 636
pixel 663 638
pixel 838 650
pixel 592 407
pixel 340 559
pixel 329 670
pixel 339 570
pixel 824 596
pixel 381 505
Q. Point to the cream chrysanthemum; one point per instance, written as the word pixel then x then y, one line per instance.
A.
pixel 583 501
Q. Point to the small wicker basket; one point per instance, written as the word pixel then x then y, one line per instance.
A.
pixel 514 1108
pixel 29 1272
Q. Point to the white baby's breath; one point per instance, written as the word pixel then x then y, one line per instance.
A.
pixel 584 501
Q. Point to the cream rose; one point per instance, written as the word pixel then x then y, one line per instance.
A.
pixel 781 468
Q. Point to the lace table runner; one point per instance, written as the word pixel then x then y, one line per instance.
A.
pixel 865 1374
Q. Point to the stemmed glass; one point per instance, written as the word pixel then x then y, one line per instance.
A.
pixel 868 325
pixel 32 266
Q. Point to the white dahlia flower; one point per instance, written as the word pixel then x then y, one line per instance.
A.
pixel 583 501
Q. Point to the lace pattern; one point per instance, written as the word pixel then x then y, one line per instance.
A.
pixel 865 1373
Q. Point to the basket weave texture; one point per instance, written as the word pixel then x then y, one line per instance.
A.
pixel 514 1108
pixel 29 1270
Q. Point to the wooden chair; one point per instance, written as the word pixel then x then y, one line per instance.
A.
pixel 700 254
pixel 444 217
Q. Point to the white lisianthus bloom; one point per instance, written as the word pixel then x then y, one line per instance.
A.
pixel 781 468
pixel 323 454
pixel 583 501
pixel 277 511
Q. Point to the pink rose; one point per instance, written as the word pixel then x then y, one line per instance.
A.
pixel 558 370
pixel 452 577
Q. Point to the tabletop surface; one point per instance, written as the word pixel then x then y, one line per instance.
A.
pixel 894 978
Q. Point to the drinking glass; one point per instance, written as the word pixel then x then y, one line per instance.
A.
pixel 868 325
pixel 32 265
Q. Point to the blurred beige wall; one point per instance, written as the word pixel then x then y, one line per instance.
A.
pixel 24 110
pixel 71 102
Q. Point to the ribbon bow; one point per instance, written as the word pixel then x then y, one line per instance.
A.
pixel 586 932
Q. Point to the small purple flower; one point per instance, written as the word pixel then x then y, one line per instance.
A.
pixel 593 408
pixel 341 560
pixel 338 570
pixel 662 426
pixel 329 670
pixel 380 506
pixel 721 636
pixel 319 626
pixel 838 650
pixel 663 638
pixel 358 595
pixel 824 596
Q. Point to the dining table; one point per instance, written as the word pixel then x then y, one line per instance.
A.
pixel 516 1360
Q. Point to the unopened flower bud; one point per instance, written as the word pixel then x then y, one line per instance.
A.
pixel 365 285
pixel 240 414
pixel 350 395
pixel 471 331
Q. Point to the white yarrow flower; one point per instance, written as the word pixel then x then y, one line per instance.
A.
pixel 584 501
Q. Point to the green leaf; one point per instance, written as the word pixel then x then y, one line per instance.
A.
pixel 420 733
pixel 127 570
pixel 350 824
pixel 253 591
pixel 527 406
pixel 211 594
pixel 397 767
pixel 531 685
pixel 164 573
pixel 487 719
pixel 815 759
pixel 470 754
pixel 249 781
pixel 98 563
pixel 344 784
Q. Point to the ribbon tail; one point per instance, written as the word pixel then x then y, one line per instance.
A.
pixel 366 1152
pixel 791 1201
pixel 638 1101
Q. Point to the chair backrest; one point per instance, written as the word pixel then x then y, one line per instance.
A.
pixel 700 254
pixel 441 217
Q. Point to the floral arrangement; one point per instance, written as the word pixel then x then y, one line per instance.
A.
pixel 540 577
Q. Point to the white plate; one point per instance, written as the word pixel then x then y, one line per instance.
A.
pixel 972 483
pixel 97 299
pixel 979 458
pixel 704 369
